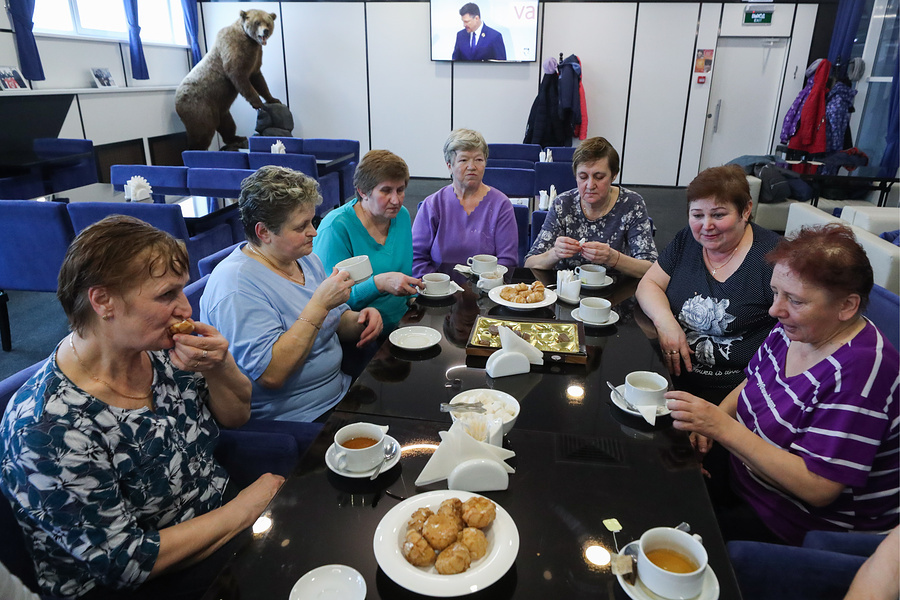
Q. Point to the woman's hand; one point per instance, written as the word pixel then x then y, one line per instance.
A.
pixel 334 290
pixel 597 252
pixel 253 499
pixel 397 284
pixel 371 319
pixel 566 247
pixel 205 352
pixel 698 416
pixel 675 349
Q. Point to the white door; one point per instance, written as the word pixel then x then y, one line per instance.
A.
pixel 743 99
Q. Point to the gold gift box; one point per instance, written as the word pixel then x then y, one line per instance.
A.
pixel 542 334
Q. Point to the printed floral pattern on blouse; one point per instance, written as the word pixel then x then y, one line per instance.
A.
pixel 626 227
pixel 92 484
pixel 705 321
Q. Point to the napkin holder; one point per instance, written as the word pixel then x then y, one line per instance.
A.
pixel 278 147
pixel 137 189
pixel 568 286
pixel 458 448
pixel 504 363
pixel 478 475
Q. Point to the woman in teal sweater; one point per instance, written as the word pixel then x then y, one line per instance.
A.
pixel 376 224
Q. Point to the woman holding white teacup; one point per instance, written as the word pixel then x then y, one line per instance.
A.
pixel 375 224
pixel 271 298
pixel 708 295
pixel 466 217
pixel 813 429
pixel 597 222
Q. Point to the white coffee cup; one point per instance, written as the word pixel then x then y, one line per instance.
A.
pixel 359 267
pixel 646 388
pixel 436 284
pixel 490 279
pixel 481 263
pixel 594 310
pixel 669 584
pixel 591 274
pixel 359 459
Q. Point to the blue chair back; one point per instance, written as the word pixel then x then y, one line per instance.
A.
pixel 515 183
pixel 209 159
pixel 69 175
pixel 34 237
pixel 21 187
pixel 529 152
pixel 208 263
pixel 537 222
pixel 217 183
pixel 305 163
pixel 263 143
pixel 512 163
pixel 562 153
pixel 327 148
pixel 13 552
pixel 884 311
pixel 559 174
pixel 193 291
pixel 521 212
pixel 163 180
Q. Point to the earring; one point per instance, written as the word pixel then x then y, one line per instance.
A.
pixel 106 317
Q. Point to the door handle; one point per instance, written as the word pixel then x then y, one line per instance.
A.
pixel 716 119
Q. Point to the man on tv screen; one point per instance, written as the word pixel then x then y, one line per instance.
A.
pixel 477 41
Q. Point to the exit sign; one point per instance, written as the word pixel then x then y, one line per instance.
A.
pixel 757 16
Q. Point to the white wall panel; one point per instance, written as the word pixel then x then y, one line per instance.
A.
pixel 72 127
pixel 67 62
pixel 707 35
pixel 410 106
pixel 801 38
pixel 217 15
pixel 115 117
pixel 4 23
pixel 733 22
pixel 8 56
pixel 167 65
pixel 659 92
pixel 325 46
pixel 601 35
pixel 494 99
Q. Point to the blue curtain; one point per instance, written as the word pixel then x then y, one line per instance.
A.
pixel 22 13
pixel 890 160
pixel 192 28
pixel 138 62
pixel 845 25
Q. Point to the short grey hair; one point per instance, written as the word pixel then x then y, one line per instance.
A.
pixel 463 140
pixel 271 195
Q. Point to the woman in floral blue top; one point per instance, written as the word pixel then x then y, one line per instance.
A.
pixel 106 453
pixel 597 222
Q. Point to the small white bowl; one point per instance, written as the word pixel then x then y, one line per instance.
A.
pixel 472 396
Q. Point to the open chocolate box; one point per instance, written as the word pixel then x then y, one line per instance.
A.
pixel 560 341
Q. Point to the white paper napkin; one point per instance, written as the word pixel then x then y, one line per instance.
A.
pixel 464 269
pixel 137 189
pixel 549 155
pixel 568 285
pixel 510 341
pixel 456 447
pixel 552 193
pixel 648 412
pixel 544 201
pixel 278 147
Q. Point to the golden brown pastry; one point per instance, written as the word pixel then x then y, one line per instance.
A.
pixel 440 531
pixel 478 512
pixel 417 520
pixel 453 508
pixel 416 549
pixel 454 559
pixel 186 326
pixel 475 541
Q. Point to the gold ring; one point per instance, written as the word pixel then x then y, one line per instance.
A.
pixel 205 353
pixel 672 352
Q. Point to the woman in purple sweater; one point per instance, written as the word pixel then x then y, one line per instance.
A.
pixel 467 217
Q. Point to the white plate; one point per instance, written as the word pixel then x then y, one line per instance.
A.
pixel 467 270
pixel 612 320
pixel 596 286
pixel 454 287
pixel 661 410
pixel 503 546
pixel 331 461
pixel 415 337
pixel 637 591
pixel 494 294
pixel 331 582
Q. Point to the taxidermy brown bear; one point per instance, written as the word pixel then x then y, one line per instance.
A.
pixel 204 97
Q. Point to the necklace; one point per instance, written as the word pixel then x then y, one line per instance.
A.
pixel 728 260
pixel 98 380
pixel 301 281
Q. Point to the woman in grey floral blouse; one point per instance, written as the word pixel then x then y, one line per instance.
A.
pixel 597 222
pixel 106 453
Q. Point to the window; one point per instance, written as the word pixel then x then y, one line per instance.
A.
pixel 162 21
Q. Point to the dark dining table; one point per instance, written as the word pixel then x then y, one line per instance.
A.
pixel 578 461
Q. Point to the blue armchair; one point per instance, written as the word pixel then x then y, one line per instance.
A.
pixel 263 143
pixel 511 163
pixel 217 183
pixel 329 185
pixel 559 174
pixel 515 183
pixel 207 264
pixel 209 159
pixel 529 152
pixel 884 311
pixel 328 148
pixel 537 222
pixel 70 174
pixel 34 237
pixel 522 228
pixel 21 187
pixel 562 153
pixel 171 181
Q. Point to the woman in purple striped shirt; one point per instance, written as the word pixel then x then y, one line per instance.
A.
pixel 813 429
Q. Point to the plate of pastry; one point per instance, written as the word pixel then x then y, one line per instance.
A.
pixel 522 296
pixel 446 543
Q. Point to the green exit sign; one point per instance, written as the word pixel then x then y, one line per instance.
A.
pixel 757 17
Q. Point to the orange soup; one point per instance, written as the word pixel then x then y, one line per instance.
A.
pixel 671 561
pixel 359 443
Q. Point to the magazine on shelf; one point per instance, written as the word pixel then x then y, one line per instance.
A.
pixel 11 79
pixel 102 77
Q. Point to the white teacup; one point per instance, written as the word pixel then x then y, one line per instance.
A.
pixel 436 284
pixel 481 263
pixel 359 267
pixel 594 310
pixel 646 388
pixel 351 458
pixel 490 279
pixel 656 547
pixel 591 274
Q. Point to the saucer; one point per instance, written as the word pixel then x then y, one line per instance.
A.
pixel 661 410
pixel 612 320
pixel 638 591
pixel 415 337
pixel 596 286
pixel 454 287
pixel 331 461
pixel 339 582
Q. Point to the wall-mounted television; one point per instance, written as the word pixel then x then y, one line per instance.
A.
pixel 485 30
